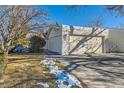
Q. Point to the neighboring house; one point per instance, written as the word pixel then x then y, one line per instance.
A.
pixel 76 40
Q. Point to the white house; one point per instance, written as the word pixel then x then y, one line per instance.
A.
pixel 76 40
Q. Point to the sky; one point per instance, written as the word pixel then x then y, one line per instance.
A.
pixel 82 15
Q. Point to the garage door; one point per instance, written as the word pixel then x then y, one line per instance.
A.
pixel 79 45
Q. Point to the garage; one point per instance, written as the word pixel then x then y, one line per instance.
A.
pixel 76 40
pixel 78 45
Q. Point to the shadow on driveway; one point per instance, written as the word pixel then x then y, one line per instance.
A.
pixel 100 71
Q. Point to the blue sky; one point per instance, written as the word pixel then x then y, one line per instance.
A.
pixel 81 16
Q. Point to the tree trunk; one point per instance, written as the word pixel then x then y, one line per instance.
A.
pixel 6 52
pixel 6 48
pixel 3 64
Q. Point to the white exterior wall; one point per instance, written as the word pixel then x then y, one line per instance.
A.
pixel 115 41
pixel 54 42
pixel 59 41
pixel 65 40
pixel 84 31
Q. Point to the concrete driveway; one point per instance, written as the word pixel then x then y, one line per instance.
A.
pixel 101 71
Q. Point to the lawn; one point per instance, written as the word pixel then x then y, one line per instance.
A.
pixel 24 71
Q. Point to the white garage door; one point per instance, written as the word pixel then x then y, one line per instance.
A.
pixel 79 45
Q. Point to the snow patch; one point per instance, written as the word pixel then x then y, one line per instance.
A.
pixel 63 78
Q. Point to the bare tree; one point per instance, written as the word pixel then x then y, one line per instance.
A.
pixel 13 20
pixel 118 9
pixel 97 22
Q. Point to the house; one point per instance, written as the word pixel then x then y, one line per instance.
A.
pixel 76 40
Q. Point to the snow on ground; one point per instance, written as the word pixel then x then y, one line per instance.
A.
pixel 63 78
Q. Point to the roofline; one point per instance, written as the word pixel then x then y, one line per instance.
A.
pixel 94 27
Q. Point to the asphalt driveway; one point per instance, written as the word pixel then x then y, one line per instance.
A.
pixel 101 71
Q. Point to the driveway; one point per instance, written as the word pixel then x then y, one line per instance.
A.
pixel 101 71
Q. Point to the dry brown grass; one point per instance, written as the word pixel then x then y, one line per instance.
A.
pixel 24 71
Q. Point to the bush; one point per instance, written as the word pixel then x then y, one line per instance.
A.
pixel 36 44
